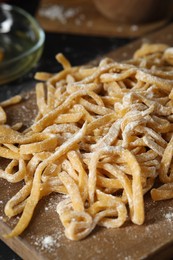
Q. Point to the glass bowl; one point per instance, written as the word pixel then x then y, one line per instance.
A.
pixel 21 42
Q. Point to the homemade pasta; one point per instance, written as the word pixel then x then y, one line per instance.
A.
pixel 102 135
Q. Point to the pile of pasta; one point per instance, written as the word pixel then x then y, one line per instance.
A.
pixel 102 135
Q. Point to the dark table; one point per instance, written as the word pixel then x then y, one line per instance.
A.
pixel 79 50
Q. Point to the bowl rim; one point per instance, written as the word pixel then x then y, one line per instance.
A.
pixel 33 21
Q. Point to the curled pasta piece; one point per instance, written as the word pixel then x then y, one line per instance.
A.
pixel 16 204
pixel 48 144
pixel 165 163
pixel 73 191
pixel 147 49
pixel 61 59
pixel 164 192
pixel 3 117
pixel 110 206
pixel 11 101
pixel 17 176
pixel 136 202
pixel 77 165
pixel 77 224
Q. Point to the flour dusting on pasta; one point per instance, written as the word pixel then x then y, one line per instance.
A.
pixel 102 136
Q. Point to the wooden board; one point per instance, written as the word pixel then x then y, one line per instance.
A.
pixel 127 242
pixel 81 17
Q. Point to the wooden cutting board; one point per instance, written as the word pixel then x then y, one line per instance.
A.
pixel 154 237
pixel 82 17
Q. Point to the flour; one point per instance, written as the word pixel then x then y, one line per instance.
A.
pixel 169 216
pixel 47 242
pixel 58 12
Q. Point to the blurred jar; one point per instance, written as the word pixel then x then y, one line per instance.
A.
pixel 135 11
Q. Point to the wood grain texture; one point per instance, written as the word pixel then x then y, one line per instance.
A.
pixel 81 17
pixel 128 242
